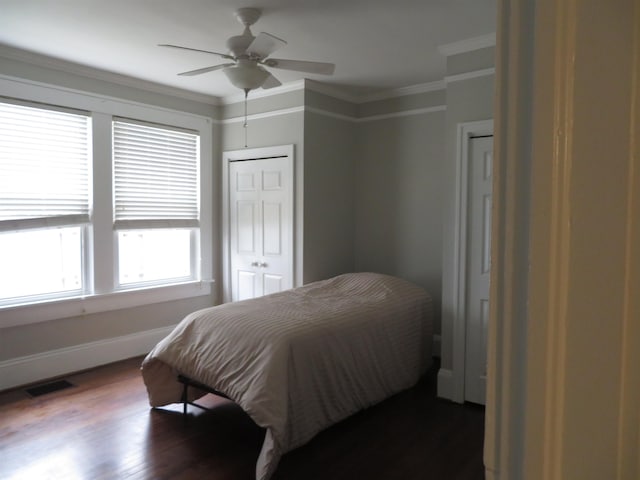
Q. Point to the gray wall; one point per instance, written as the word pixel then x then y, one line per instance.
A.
pixel 399 189
pixel 329 196
pixel 468 100
pixel 38 338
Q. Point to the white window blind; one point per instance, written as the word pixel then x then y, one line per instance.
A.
pixel 156 176
pixel 44 167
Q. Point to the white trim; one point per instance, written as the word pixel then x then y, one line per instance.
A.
pixel 326 113
pixel 19 315
pixel 485 72
pixel 103 75
pixel 405 113
pixel 339 116
pixel 508 382
pixel 41 366
pixel 445 383
pixel 330 91
pixel 400 92
pixel 260 116
pixel 468 45
pixel 458 285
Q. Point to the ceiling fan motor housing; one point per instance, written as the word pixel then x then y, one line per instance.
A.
pixel 238 44
pixel 248 16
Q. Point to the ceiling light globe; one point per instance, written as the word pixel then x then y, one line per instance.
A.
pixel 246 76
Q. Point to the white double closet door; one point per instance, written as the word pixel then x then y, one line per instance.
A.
pixel 260 226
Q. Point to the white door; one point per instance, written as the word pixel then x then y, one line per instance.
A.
pixel 478 267
pixel 260 226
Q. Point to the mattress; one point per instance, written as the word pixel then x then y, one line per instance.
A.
pixel 300 360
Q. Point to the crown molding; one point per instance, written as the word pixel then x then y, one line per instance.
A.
pixel 469 75
pixel 381 95
pixel 399 92
pixel 338 116
pixel 103 75
pixel 404 113
pixel 330 91
pixel 468 45
pixel 337 93
pixel 327 113
pixel 258 116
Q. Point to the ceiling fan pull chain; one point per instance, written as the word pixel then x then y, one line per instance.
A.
pixel 245 125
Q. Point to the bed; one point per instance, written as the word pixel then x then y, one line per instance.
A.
pixel 300 360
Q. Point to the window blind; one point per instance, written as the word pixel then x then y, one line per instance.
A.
pixel 44 167
pixel 156 176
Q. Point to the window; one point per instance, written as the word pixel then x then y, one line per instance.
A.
pixel 156 201
pixel 44 201
pixel 104 204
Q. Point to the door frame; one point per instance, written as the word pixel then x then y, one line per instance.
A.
pixel 251 154
pixel 465 131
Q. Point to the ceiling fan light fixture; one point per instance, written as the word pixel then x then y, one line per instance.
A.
pixel 246 76
pixel 250 53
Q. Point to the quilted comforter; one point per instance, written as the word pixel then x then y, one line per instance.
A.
pixel 300 360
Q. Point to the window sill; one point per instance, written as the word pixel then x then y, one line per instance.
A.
pixel 12 316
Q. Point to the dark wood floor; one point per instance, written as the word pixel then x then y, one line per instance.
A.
pixel 103 428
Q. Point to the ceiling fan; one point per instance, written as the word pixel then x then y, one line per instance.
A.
pixel 249 55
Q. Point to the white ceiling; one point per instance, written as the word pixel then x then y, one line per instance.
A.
pixel 375 44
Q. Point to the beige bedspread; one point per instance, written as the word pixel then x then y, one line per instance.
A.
pixel 301 360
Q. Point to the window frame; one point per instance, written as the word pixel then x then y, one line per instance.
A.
pixel 189 219
pixel 101 292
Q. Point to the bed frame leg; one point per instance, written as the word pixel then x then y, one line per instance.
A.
pixel 185 397
pixel 185 400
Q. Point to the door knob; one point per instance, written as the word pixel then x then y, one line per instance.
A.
pixel 255 264
pixel 263 264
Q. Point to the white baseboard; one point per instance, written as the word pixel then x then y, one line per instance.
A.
pixel 54 363
pixel 445 384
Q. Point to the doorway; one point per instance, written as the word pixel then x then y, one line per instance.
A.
pixel 472 259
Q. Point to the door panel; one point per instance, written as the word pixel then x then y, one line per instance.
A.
pixel 478 267
pixel 261 226
pixel 272 283
pixel 246 225
pixel 272 228
pixel 246 285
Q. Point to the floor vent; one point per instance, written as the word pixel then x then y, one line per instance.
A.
pixel 46 388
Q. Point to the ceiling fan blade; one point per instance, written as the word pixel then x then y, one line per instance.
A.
pixel 199 71
pixel 271 82
pixel 223 55
pixel 264 45
pixel 301 66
